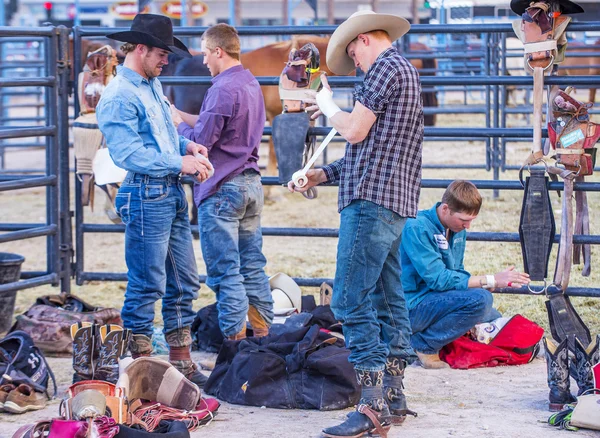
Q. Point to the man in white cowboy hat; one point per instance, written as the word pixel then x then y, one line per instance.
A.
pixel 379 179
pixel 135 119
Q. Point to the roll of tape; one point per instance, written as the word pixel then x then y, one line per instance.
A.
pixel 204 160
pixel 299 178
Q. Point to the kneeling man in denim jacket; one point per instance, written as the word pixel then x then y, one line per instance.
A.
pixel 444 300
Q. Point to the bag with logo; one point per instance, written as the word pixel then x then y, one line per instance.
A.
pixel 22 362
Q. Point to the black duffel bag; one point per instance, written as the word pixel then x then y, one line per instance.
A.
pixel 304 369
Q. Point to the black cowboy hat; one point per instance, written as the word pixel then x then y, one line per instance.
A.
pixel 154 31
pixel 566 6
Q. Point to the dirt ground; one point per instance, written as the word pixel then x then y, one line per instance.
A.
pixel 491 402
pixel 495 402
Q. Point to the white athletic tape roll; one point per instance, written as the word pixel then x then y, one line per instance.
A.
pixel 326 103
pixel 204 160
pixel 299 177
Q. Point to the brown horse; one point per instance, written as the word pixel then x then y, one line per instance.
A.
pixel 270 61
pixel 590 65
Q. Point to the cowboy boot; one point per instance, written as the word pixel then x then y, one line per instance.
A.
pixel 582 363
pixel 179 342
pixel 260 327
pixel 111 349
pixel 557 362
pixel 393 385
pixel 140 346
pixel 84 340
pixel 238 336
pixel 372 414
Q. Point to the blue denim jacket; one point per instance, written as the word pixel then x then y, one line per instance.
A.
pixel 429 261
pixel 135 119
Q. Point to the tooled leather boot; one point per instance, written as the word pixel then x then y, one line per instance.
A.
pixel 84 340
pixel 393 386
pixel 557 363
pixel 582 363
pixel 372 414
pixel 140 346
pixel 112 346
pixel 260 327
pixel 179 342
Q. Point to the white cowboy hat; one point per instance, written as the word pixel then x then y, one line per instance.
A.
pixel 285 292
pixel 338 60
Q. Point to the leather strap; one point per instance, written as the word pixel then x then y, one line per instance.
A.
pixel 538 101
pixel 179 353
pixel 565 250
pixel 540 46
pixel 373 416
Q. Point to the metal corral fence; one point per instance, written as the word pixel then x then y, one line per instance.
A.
pixel 58 224
pixel 57 228
pixel 492 133
pixel 21 57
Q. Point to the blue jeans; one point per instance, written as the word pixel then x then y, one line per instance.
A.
pixel 443 317
pixel 159 253
pixel 367 293
pixel 231 240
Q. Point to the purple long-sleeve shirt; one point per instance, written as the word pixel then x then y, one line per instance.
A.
pixel 230 125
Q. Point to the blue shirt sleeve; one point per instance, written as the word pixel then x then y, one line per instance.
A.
pixel 118 120
pixel 183 142
pixel 217 108
pixel 421 249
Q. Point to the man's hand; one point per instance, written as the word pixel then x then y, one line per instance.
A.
pixel 314 176
pixel 176 116
pixel 315 107
pixel 511 278
pixel 196 167
pixel 195 148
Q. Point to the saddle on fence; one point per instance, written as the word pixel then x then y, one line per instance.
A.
pixel 99 70
pixel 572 135
pixel 300 78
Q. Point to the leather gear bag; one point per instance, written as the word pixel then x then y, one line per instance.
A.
pixel 49 321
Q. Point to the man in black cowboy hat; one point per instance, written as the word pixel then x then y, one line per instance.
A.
pixel 135 118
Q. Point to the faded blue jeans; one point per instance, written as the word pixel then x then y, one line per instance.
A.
pixel 443 317
pixel 231 241
pixel 159 252
pixel 367 292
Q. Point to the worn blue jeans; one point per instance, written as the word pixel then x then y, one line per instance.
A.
pixel 159 253
pixel 231 240
pixel 367 292
pixel 442 317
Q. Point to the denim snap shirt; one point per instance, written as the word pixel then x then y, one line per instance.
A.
pixel 430 262
pixel 135 118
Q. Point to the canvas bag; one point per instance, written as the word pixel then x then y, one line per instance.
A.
pixel 304 369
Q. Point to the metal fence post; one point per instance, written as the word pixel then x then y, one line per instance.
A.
pixel 65 226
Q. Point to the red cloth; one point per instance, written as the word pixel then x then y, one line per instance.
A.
pixel 513 345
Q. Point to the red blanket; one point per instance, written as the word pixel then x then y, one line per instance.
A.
pixel 515 344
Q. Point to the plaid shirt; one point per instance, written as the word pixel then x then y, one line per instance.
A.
pixel 385 168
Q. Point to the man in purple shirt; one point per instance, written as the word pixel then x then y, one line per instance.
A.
pixel 230 126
